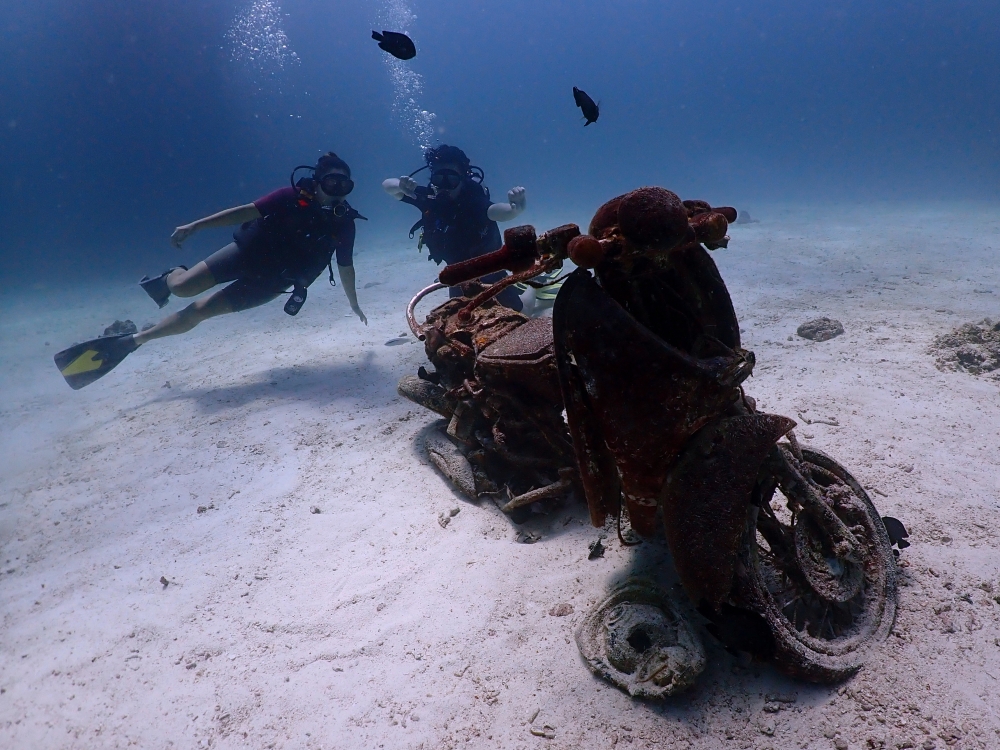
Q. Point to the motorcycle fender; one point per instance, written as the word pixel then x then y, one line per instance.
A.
pixel 632 400
pixel 598 472
pixel 706 497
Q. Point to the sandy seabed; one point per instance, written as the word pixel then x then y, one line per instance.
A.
pixel 201 461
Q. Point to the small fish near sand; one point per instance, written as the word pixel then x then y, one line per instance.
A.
pixel 403 338
pixel 398 45
pixel 587 105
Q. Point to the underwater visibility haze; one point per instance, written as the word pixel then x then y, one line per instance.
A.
pixel 749 440
pixel 122 120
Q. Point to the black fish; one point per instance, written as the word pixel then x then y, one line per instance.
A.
pixel 896 531
pixel 396 44
pixel 589 107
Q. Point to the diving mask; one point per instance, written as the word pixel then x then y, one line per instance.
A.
pixel 335 184
pixel 446 179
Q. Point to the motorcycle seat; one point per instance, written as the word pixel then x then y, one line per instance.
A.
pixel 525 359
pixel 529 342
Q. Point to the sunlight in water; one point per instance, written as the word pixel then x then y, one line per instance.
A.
pixel 258 41
pixel 407 85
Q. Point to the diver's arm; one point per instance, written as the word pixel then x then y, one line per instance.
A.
pixel 347 281
pixel 229 217
pixel 398 187
pixel 508 211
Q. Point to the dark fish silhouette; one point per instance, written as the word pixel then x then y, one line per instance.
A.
pixel 587 105
pixel 396 44
pixel 896 531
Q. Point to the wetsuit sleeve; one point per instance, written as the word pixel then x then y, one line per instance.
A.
pixel 480 207
pixel 276 201
pixel 423 199
pixel 344 245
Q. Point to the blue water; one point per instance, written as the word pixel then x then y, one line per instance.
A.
pixel 121 120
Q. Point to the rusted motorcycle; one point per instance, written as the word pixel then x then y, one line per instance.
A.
pixel 631 396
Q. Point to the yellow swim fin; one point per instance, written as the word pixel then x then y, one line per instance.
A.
pixel 84 363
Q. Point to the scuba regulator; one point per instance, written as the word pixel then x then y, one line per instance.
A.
pixel 306 187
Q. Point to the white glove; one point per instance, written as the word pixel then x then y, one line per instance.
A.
pixel 509 211
pixel 397 188
pixel 408 186
pixel 517 198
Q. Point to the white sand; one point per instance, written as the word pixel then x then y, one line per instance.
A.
pixel 369 625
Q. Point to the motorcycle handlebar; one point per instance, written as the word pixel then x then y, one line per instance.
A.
pixel 519 253
pixel 458 273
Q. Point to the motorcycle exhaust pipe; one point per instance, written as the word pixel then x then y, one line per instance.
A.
pixel 519 253
pixel 411 315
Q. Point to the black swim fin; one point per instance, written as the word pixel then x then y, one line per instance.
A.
pixel 84 363
pixel 156 286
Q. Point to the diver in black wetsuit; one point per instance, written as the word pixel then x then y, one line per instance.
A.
pixel 285 241
pixel 459 221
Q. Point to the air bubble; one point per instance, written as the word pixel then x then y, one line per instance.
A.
pixel 407 85
pixel 257 40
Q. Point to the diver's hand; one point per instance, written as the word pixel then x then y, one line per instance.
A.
pixel 182 233
pixel 408 186
pixel 509 211
pixel 517 198
pixel 361 316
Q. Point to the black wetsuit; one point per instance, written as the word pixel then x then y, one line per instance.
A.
pixel 292 243
pixel 457 229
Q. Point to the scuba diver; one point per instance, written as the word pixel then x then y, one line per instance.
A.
pixel 285 239
pixel 458 219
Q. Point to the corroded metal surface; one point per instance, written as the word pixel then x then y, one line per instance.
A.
pixel 644 358
pixel 823 630
pixel 706 497
pixel 643 397
pixel 639 641
pixel 495 377
pixel 523 361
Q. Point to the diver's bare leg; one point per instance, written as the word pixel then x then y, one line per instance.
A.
pixel 188 318
pixel 192 282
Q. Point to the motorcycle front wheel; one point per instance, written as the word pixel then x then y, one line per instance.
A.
pixel 825 611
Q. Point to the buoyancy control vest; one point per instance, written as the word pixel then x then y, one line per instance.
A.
pixel 297 241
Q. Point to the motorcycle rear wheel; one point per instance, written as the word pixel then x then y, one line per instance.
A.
pixel 825 613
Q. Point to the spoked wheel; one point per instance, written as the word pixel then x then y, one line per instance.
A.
pixel 826 608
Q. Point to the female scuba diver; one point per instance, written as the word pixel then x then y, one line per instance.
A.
pixel 458 219
pixel 286 239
